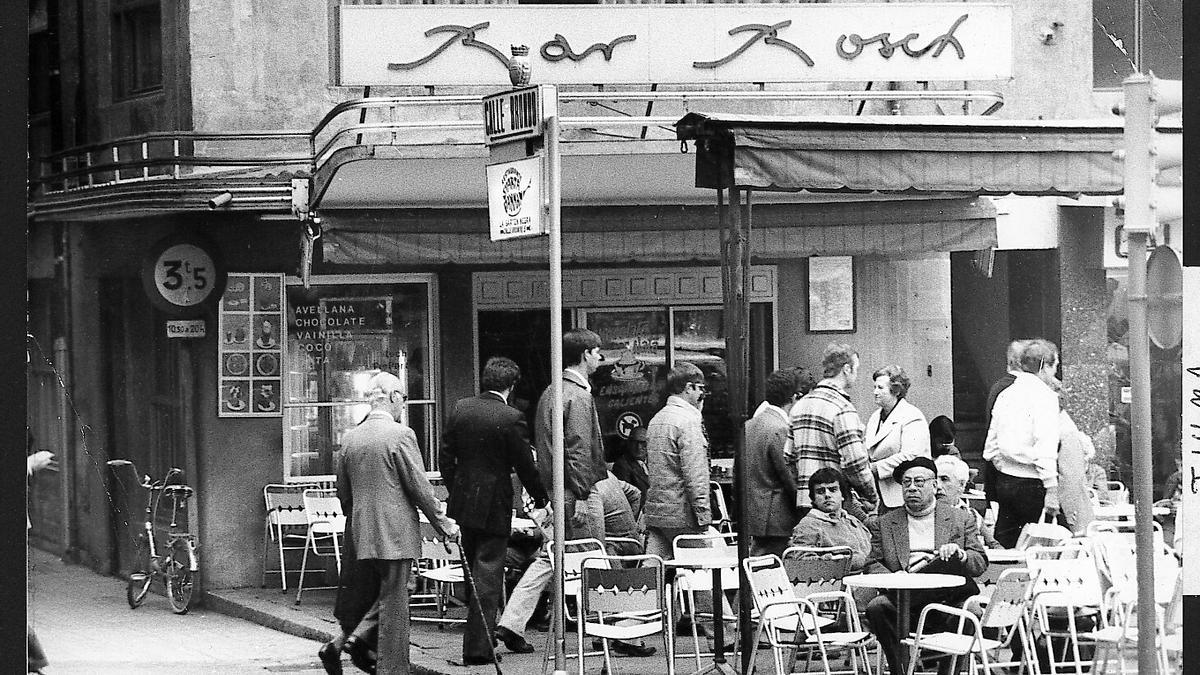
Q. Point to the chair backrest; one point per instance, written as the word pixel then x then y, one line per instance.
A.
pixel 1009 599
pixel 1117 492
pixel 688 547
pixel 769 581
pixel 816 569
pixel 434 548
pixel 622 583
pixel 720 512
pixel 323 506
pixel 575 551
pixel 1064 575
pixel 285 503
pixel 323 481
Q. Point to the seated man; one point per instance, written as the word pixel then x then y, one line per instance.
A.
pixel 953 474
pixel 927 534
pixel 828 524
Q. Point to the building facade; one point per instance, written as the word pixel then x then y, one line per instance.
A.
pixel 339 212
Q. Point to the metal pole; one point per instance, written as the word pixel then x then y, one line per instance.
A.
pixel 1143 478
pixel 556 367
pixel 65 454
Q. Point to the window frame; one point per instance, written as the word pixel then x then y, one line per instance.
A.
pixel 125 55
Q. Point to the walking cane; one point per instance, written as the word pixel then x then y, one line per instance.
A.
pixel 462 558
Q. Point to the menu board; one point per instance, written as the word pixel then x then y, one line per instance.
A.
pixel 250 346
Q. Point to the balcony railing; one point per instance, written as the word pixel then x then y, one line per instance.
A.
pixel 407 121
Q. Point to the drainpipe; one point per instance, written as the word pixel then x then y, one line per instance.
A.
pixel 62 364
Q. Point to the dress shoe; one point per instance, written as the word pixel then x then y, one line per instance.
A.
pixel 480 660
pixel 630 649
pixel 361 655
pixel 331 658
pixel 514 642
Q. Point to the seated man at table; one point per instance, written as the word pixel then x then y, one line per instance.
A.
pixel 828 524
pixel 927 534
pixel 953 474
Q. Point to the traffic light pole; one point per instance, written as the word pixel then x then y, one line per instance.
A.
pixel 554 173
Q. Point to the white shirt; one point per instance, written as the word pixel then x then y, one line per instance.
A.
pixel 1022 440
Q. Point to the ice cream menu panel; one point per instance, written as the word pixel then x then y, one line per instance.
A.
pixel 250 346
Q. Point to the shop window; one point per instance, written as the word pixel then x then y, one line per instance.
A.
pixel 136 40
pixel 1113 40
pixel 642 344
pixel 341 331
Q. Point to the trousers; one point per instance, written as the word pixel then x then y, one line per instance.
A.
pixel 395 630
pixel 484 552
pixel 1020 501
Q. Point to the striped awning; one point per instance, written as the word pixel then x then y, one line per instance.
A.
pixel 979 155
pixel 662 234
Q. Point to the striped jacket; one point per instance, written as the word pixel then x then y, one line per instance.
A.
pixel 827 431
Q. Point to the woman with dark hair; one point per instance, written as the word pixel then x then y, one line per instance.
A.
pixel 941 437
pixel 896 432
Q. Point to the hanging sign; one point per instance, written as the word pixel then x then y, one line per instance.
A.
pixel 250 346
pixel 643 44
pixel 514 192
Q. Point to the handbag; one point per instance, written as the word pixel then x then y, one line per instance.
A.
pixel 1041 533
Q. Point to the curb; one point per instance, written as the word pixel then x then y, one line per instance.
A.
pixel 218 603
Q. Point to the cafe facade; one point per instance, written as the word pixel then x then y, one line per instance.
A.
pixel 216 275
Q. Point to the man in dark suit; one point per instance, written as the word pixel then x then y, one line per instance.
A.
pixel 927 534
pixel 485 440
pixel 770 467
pixel 381 483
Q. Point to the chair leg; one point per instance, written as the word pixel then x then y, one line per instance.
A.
pixel 303 566
pixel 282 565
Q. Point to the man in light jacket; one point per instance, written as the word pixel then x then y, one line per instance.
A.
pixel 896 432
pixel 1022 444
pixel 677 502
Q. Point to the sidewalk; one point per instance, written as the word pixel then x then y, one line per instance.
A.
pixel 433 650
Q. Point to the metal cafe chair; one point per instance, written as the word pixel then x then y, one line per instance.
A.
pixel 623 598
pixel 1066 588
pixel 440 564
pixel 326 523
pixel 780 611
pixel 285 527
pixel 1007 613
pixel 687 583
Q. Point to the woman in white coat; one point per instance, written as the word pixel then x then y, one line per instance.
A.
pixel 896 432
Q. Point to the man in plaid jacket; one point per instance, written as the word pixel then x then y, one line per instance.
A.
pixel 827 432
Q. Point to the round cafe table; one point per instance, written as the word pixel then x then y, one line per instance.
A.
pixel 717 563
pixel 903 582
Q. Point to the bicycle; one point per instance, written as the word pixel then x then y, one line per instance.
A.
pixel 178 563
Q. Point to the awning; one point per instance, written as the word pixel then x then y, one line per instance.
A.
pixel 905 154
pixel 662 234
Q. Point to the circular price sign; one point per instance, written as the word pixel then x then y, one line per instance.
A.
pixel 183 274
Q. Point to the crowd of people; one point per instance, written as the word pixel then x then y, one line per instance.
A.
pixel 891 490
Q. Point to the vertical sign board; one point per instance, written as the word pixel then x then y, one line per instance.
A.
pixel 514 192
pixel 1190 509
pixel 250 346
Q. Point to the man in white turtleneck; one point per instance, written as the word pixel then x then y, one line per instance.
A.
pixel 927 534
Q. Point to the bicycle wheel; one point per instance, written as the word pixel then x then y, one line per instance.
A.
pixel 138 584
pixel 178 575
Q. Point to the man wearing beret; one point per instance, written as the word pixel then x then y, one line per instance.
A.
pixel 927 534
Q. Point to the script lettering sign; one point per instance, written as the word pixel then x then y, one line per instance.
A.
pixel 641 44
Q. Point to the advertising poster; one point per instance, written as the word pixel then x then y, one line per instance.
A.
pixel 250 346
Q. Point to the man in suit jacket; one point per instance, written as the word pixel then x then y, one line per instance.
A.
pixel 928 534
pixel 583 445
pixel 484 441
pixel 896 432
pixel 770 467
pixel 381 483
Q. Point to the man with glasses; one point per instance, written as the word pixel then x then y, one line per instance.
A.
pixel 927 534
pixel 828 524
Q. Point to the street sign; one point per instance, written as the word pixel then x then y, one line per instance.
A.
pixel 515 192
pixel 1164 298
pixel 517 114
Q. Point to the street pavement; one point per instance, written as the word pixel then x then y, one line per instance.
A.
pixel 85 626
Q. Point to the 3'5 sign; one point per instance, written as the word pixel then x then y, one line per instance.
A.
pixel 182 274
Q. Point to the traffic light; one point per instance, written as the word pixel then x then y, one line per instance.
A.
pixel 1153 154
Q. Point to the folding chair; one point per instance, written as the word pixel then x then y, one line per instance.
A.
pixel 1116 558
pixel 441 565
pixel 720 511
pixel 621 601
pixel 1066 587
pixel 688 547
pixel 817 569
pixel 323 510
pixel 285 525
pixel 780 611
pixel 1007 613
